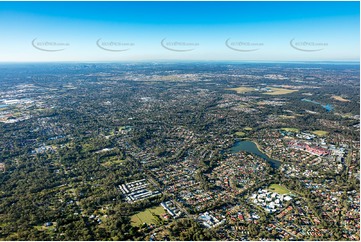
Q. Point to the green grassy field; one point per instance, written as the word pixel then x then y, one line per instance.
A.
pixel 320 132
pixel 240 133
pixel 278 189
pixel 341 99
pixel 49 229
pixel 241 89
pixel 87 147
pixel 279 91
pixel 110 161
pixel 291 130
pixel 147 216
pixel 287 116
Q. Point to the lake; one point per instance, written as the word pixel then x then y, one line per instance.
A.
pixel 252 148
pixel 328 107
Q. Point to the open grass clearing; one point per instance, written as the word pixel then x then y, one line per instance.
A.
pixel 287 116
pixel 341 99
pixel 111 161
pixel 320 133
pixel 44 228
pixel 146 216
pixel 240 133
pixel 278 189
pixel 291 130
pixel 241 89
pixel 279 91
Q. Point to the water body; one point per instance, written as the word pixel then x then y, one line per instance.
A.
pixel 251 147
pixel 328 107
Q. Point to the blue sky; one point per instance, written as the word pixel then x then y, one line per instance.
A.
pixel 256 31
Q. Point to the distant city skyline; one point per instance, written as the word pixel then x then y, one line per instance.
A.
pixel 183 31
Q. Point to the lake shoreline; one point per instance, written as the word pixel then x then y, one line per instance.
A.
pixel 260 148
pixel 254 148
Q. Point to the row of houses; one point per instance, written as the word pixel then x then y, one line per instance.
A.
pixel 137 191
pixel 171 209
